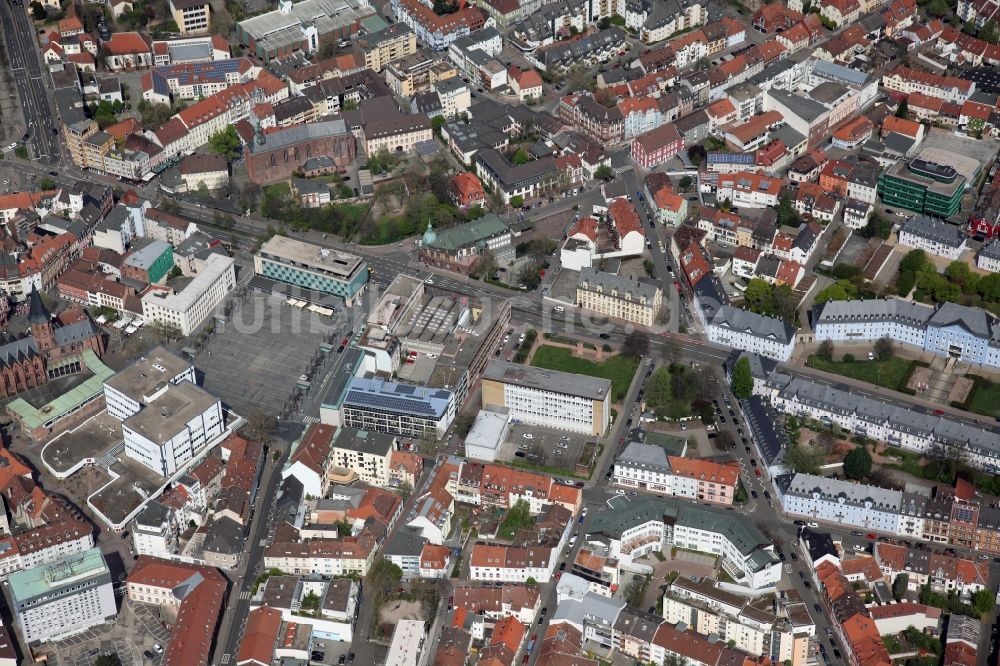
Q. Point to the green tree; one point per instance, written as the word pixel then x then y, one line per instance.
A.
pixel 825 350
pixel 517 201
pixel 437 122
pixel 38 11
pixel 684 183
pixel 226 143
pixel 989 33
pixel 982 601
pixel 903 109
pixel 21 152
pixel 858 463
pixel 759 296
pixel 521 156
pixel 604 172
pixel 636 344
pixel 46 184
pixel 742 379
pixel 803 460
pixel 787 215
pixel 884 348
pixel 938 8
pixel 841 290
pixel 914 261
pixel 899 586
pixel 989 287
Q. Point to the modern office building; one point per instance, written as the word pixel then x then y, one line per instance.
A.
pixel 969 334
pixel 188 309
pixel 143 381
pixel 381 406
pixel 174 428
pixel 549 398
pixel 64 598
pixel 636 301
pixel 312 267
pixel 155 531
pixel 923 187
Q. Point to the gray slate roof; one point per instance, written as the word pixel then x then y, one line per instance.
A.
pixel 744 321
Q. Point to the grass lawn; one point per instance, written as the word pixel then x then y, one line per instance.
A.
pixel 891 373
pixel 985 398
pixel 619 369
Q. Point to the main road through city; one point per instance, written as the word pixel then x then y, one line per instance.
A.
pixel 22 59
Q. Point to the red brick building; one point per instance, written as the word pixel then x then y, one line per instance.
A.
pixel 276 155
pixel 657 146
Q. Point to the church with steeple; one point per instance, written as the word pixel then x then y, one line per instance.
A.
pixel 49 350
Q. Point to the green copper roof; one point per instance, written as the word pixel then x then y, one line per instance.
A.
pixel 468 234
pixel 32 417
pixel 35 582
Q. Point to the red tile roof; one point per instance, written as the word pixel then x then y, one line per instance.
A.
pixel 193 632
pixel 260 636
pixel 128 43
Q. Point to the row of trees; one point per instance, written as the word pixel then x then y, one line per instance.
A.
pixel 958 283
pixel 771 300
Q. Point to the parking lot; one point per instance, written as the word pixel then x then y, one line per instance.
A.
pixel 544 447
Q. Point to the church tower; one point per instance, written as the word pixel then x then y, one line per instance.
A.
pixel 41 323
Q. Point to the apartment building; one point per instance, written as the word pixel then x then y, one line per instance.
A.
pixel 765 627
pixel 198 594
pixel 648 466
pixel 749 190
pixel 387 45
pixel 155 531
pixel 867 417
pixel 63 598
pixel 301 264
pixel 512 564
pixel 326 557
pixel 367 454
pixel 548 398
pixel 650 524
pixel 944 573
pixel 177 426
pixel 189 308
pixel 749 331
pixel 637 301
pixel 191 16
pixel 948 88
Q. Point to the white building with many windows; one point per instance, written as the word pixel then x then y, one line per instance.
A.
pixel 549 398
pixel 649 524
pixel 933 236
pixel 866 417
pixel 174 428
pixel 968 334
pixel 144 381
pixel 749 331
pixel 188 309
pixel 63 598
pixel 635 301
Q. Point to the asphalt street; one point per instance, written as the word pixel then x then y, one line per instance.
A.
pixel 19 40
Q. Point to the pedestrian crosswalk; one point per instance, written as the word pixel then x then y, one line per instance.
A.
pixel 245 595
pixel 310 419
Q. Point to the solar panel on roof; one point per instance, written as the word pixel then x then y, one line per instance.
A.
pixel 405 389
